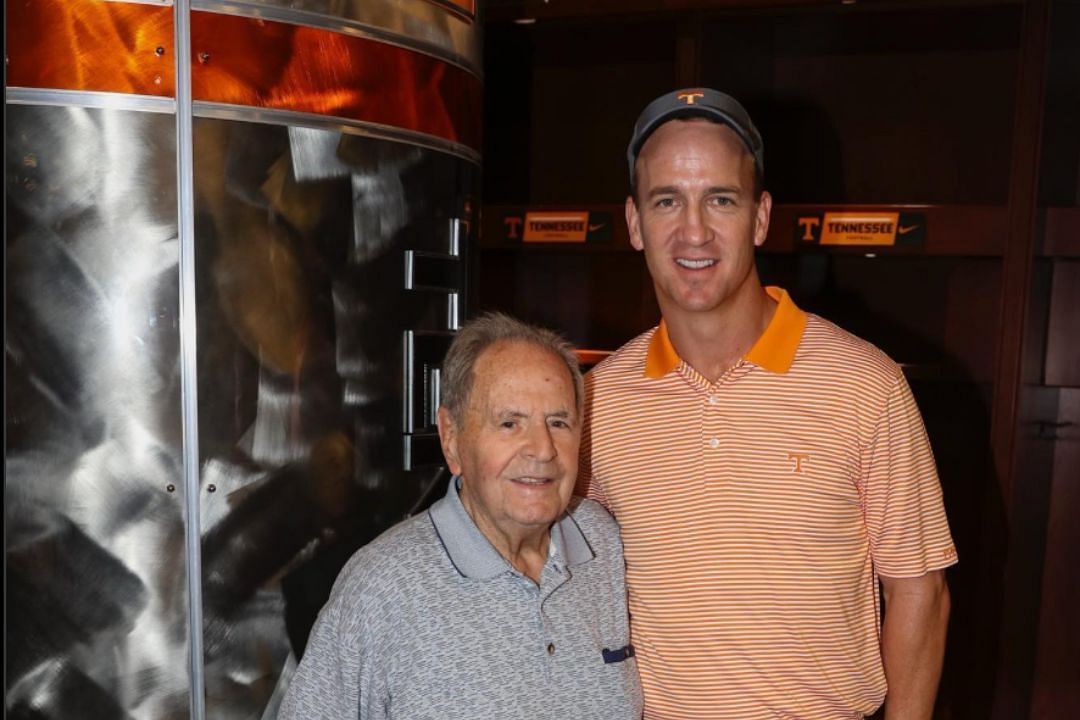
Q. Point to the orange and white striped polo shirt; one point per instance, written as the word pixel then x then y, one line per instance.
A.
pixel 756 512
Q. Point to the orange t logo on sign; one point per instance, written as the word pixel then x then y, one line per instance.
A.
pixel 689 97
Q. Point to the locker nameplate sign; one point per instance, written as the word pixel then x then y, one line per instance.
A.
pixel 861 228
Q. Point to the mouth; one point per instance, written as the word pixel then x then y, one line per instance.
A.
pixel 533 481
pixel 695 264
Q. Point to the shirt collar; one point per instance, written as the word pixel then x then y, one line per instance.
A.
pixel 475 557
pixel 773 351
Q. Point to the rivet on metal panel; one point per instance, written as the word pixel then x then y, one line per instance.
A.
pixel 204 57
pixel 157 79
pixel 159 51
pixel 211 488
pixel 170 487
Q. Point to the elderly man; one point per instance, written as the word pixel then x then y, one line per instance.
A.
pixel 504 600
pixel 767 468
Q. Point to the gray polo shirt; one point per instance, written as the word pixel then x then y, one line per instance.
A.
pixel 430 621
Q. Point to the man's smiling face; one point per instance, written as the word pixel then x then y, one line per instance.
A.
pixel 516 448
pixel 696 215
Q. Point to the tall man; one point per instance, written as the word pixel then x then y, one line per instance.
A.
pixel 502 601
pixel 767 468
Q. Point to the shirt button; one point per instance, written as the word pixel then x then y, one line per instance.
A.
pixel 713 400
pixel 551 649
pixel 714 443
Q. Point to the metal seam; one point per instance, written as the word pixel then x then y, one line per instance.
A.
pixel 89 99
pixel 223 111
pixel 292 118
pixel 185 187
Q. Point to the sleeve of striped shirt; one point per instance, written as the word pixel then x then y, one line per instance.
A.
pixel 588 485
pixel 902 500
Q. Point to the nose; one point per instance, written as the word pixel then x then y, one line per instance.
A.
pixel 539 443
pixel 695 228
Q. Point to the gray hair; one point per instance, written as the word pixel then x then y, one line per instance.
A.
pixel 480 334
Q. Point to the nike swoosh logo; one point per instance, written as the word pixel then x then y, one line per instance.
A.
pixel 594 228
pixel 905 229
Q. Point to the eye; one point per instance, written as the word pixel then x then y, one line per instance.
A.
pixel 508 424
pixel 559 423
pixel 665 202
pixel 722 200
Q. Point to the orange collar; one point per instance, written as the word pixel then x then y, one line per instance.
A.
pixel 774 350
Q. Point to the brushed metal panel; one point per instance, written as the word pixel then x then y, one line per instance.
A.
pixel 96 623
pixel 301 239
pixel 261 63
pixel 86 45
pixel 417 24
pixel 127 47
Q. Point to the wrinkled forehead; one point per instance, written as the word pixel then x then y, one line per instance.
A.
pixel 524 375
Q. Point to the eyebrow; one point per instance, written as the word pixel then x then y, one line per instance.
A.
pixel 516 414
pixel 714 190
pixel 664 190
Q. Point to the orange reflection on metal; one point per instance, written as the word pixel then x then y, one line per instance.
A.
pixel 469 6
pixel 259 63
pixel 90 45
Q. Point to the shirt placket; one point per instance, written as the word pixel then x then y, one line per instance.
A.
pixel 712 432
pixel 710 428
pixel 713 427
pixel 552 577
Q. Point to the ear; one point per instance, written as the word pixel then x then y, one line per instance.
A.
pixel 761 221
pixel 633 223
pixel 448 437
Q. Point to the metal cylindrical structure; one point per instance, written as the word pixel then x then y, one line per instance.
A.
pixel 233 267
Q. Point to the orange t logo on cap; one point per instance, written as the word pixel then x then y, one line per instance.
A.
pixel 690 96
